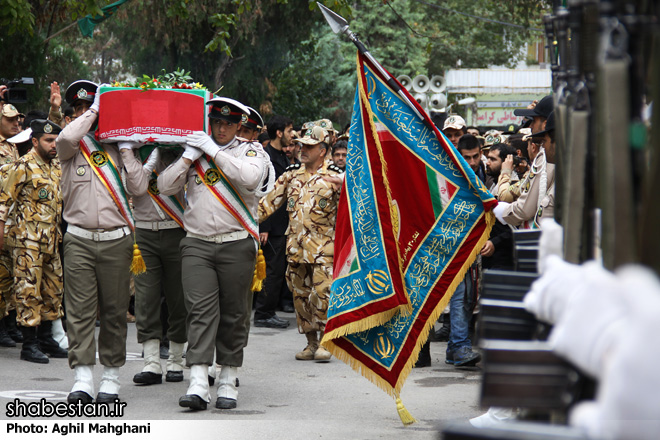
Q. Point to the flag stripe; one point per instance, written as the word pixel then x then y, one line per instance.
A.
pixel 436 199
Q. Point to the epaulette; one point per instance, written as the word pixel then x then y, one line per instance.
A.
pixel 292 167
pixel 335 168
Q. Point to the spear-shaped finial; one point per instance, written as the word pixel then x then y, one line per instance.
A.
pixel 339 25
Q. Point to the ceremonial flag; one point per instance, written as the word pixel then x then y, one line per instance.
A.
pixel 88 23
pixel 412 218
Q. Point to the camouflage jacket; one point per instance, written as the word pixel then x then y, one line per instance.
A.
pixel 312 206
pixel 33 186
pixel 8 151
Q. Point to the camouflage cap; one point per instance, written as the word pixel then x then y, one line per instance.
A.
pixel 325 123
pixel 492 137
pixel 306 126
pixel 9 111
pixel 314 136
pixel 456 122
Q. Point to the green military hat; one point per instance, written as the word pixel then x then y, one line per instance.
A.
pixel 81 89
pixel 39 126
pixel 228 109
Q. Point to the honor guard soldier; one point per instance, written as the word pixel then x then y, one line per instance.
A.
pixel 252 125
pixel 9 127
pixel 224 178
pixel 310 192
pixel 158 232
pixel 98 244
pixel 32 185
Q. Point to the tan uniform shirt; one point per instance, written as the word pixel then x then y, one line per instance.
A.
pixel 34 186
pixel 87 203
pixel 526 207
pixel 144 206
pixel 8 151
pixel 312 206
pixel 244 163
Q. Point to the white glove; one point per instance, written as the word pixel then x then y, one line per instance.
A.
pixel 97 98
pixel 551 242
pixel 128 145
pixel 593 321
pixel 499 211
pixel 150 164
pixel 192 153
pixel 550 294
pixel 203 141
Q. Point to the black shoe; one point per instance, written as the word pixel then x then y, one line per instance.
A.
pixel 174 376
pixel 288 308
pixel 211 380
pixel 238 384
pixel 5 339
pixel 465 357
pixel 106 398
pixel 442 334
pixel 272 322
pixel 225 403
pixel 449 359
pixel 148 378
pixel 31 351
pixel 79 396
pixel 164 351
pixel 192 401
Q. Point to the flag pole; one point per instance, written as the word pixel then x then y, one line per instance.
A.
pixel 339 25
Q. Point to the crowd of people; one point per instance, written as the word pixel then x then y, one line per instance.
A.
pixel 200 215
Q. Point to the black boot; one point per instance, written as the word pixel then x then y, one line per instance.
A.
pixel 30 351
pixel 12 329
pixel 46 342
pixel 5 339
pixel 424 359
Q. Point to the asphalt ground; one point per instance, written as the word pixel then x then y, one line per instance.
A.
pixel 279 397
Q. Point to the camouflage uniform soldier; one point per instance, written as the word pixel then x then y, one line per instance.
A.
pixel 32 184
pixel 311 193
pixel 9 127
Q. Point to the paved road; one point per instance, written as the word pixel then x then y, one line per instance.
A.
pixel 279 397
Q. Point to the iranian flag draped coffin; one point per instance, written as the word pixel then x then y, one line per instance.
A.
pixel 164 116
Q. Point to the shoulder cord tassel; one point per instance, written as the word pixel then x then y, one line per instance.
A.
pixel 137 264
pixel 405 416
pixel 259 272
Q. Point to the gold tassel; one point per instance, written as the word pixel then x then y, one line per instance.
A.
pixel 259 272
pixel 405 416
pixel 137 264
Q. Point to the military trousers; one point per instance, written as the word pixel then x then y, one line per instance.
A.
pixel 217 278
pixel 37 286
pixel 310 284
pixel 97 274
pixel 7 300
pixel 160 250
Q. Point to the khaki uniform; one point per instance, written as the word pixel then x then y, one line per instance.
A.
pixel 33 185
pixel 158 237
pixel 218 255
pixel 312 206
pixel 508 190
pixel 8 154
pixel 531 206
pixel 98 255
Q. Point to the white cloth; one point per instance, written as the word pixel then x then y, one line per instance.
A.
pixel 84 379
pixel 227 382
pixel 551 241
pixel 152 357
pixel 110 380
pixel 499 211
pixel 199 382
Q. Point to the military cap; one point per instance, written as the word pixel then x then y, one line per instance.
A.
pixel 492 137
pixel 21 137
pixel 254 120
pixel 325 123
pixel 549 126
pixel 9 111
pixel 456 122
pixel 45 126
pixel 81 89
pixel 306 126
pixel 228 109
pixel 542 108
pixel 314 136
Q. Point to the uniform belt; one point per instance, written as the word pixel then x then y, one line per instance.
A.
pixel 157 226
pixel 221 238
pixel 98 235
